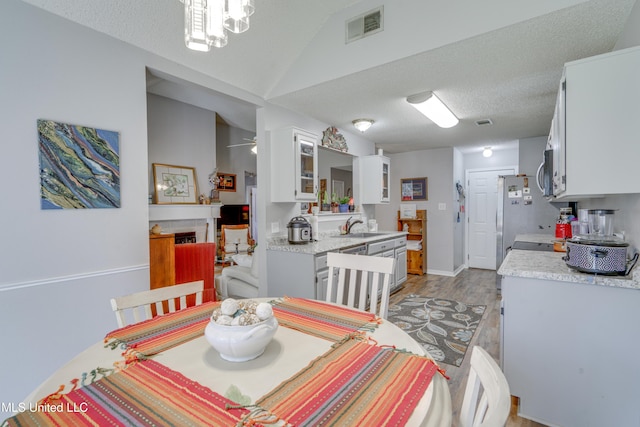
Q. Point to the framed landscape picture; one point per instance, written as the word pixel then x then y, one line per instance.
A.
pixel 174 184
pixel 414 189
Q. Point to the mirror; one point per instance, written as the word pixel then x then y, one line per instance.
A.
pixel 336 166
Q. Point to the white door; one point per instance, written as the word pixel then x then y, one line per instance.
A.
pixel 481 211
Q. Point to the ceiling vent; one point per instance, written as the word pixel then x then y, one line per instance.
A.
pixel 364 25
pixel 484 122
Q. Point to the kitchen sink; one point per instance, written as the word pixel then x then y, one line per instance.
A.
pixel 359 235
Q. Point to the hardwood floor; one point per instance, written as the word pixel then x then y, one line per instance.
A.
pixel 472 286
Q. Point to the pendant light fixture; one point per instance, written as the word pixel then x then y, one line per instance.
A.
pixel 206 22
pixel 435 110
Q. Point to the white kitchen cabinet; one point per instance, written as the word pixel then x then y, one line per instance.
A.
pixel 374 179
pixel 596 145
pixel 401 264
pixel 570 351
pixel 294 165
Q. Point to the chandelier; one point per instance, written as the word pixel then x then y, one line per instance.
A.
pixel 206 22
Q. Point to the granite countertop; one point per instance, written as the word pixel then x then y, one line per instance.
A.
pixel 328 243
pixel 551 266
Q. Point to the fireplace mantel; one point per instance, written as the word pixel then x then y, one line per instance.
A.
pixel 208 213
pixel 182 212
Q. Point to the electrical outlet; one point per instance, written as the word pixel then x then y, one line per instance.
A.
pixel 275 227
pixel 442 206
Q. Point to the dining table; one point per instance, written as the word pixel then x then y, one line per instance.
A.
pixel 316 344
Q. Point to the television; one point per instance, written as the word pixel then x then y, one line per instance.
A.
pixel 233 214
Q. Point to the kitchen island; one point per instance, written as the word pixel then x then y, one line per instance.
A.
pixel 300 270
pixel 569 341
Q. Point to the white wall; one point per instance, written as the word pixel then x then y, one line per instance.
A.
pixel 60 267
pixel 628 205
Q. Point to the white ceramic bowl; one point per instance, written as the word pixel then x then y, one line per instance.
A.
pixel 241 343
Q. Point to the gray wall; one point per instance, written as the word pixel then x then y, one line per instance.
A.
pixel 437 166
pixel 60 267
pixel 183 135
pixel 235 160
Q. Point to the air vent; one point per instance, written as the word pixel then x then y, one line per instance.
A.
pixel 484 122
pixel 364 25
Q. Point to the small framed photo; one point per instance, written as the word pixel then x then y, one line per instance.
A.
pixel 226 181
pixel 414 189
pixel 174 184
pixel 304 207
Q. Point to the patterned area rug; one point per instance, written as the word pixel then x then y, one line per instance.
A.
pixel 443 327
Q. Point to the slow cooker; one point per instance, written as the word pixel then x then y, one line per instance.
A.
pixel 299 230
pixel 598 255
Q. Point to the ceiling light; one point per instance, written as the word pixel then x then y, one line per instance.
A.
pixel 487 152
pixel 206 21
pixel 431 106
pixel 362 124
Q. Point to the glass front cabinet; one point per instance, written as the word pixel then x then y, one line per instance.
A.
pixel 294 165
pixel 375 179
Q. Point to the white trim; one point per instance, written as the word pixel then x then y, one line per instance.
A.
pixel 49 281
pixel 441 273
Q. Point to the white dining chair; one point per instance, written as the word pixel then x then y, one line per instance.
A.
pixel 490 406
pixel 368 277
pixel 140 303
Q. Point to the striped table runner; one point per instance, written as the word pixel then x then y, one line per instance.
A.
pixel 328 321
pixel 160 333
pixel 353 384
pixel 144 394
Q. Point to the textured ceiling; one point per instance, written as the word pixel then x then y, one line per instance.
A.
pixel 509 75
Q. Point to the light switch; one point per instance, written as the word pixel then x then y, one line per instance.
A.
pixel 442 206
pixel 275 227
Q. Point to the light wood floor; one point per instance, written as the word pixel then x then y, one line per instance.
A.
pixel 472 286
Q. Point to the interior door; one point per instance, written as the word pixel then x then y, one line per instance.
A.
pixel 481 210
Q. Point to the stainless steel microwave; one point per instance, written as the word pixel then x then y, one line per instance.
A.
pixel 545 174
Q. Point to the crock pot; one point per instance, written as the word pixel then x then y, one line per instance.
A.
pixel 299 230
pixel 598 255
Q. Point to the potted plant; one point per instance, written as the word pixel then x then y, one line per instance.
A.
pixel 334 203
pixel 325 204
pixel 344 204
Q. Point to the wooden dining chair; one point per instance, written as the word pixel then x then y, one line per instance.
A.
pixel 361 275
pixel 235 237
pixel 140 303
pixel 490 406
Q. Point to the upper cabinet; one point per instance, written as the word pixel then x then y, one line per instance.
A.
pixel 294 165
pixel 595 131
pixel 374 173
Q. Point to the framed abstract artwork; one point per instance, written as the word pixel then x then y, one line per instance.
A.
pixel 414 189
pixel 79 166
pixel 174 184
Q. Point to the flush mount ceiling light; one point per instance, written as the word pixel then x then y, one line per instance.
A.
pixel 362 124
pixel 487 152
pixel 431 106
pixel 206 21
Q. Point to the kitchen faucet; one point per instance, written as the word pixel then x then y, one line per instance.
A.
pixel 349 224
